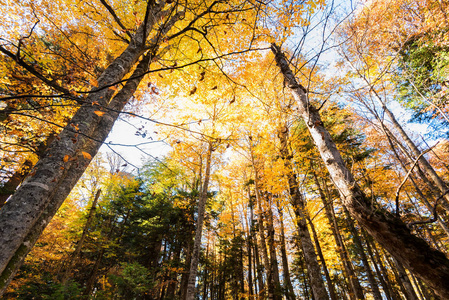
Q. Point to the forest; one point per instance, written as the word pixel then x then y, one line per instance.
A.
pixel 306 149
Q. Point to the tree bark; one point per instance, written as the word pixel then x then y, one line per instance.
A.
pixel 355 289
pixel 330 285
pixel 360 249
pixel 385 285
pixel 298 203
pixel 199 227
pixel 29 210
pixel 277 293
pixel 288 287
pixel 388 230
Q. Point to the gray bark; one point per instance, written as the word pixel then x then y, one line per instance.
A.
pixel 388 230
pixel 26 214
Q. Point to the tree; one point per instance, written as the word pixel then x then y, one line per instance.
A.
pixel 54 175
pixel 430 265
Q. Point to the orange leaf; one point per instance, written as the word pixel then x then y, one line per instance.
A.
pixel 66 158
pixel 86 155
pixel 94 82
pixel 99 113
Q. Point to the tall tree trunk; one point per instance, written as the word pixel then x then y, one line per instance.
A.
pixel 262 241
pixel 428 169
pixel 388 230
pixel 36 201
pixel 249 244
pixel 79 245
pixel 409 290
pixel 9 187
pixel 361 252
pixel 288 286
pixel 298 203
pixel 423 198
pixel 385 286
pixel 330 285
pixel 355 289
pixel 258 268
pixel 277 292
pixel 199 227
pixel 382 266
pixel 185 275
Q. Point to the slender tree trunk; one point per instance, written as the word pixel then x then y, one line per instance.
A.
pixel 185 275
pixel 385 286
pixel 409 290
pixel 38 198
pixel 288 287
pixel 298 203
pixel 394 290
pixel 262 241
pixel 277 292
pixel 355 289
pixel 330 285
pixel 428 169
pixel 199 227
pixel 361 252
pixel 173 280
pixel 79 245
pixel 249 244
pixel 258 268
pixel 388 230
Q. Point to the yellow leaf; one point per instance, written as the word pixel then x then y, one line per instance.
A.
pixel 66 158
pixel 99 113
pixel 86 155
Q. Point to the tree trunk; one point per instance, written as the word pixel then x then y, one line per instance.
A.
pixel 79 245
pixel 428 169
pixel 277 292
pixel 361 252
pixel 409 290
pixel 298 203
pixel 385 285
pixel 29 210
pixel 199 227
pixel 330 285
pixel 288 287
pixel 394 290
pixel 355 289
pixel 262 242
pixel 388 230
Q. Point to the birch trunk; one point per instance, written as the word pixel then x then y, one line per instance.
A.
pixel 388 230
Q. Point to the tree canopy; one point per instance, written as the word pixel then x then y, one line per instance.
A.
pixel 296 168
